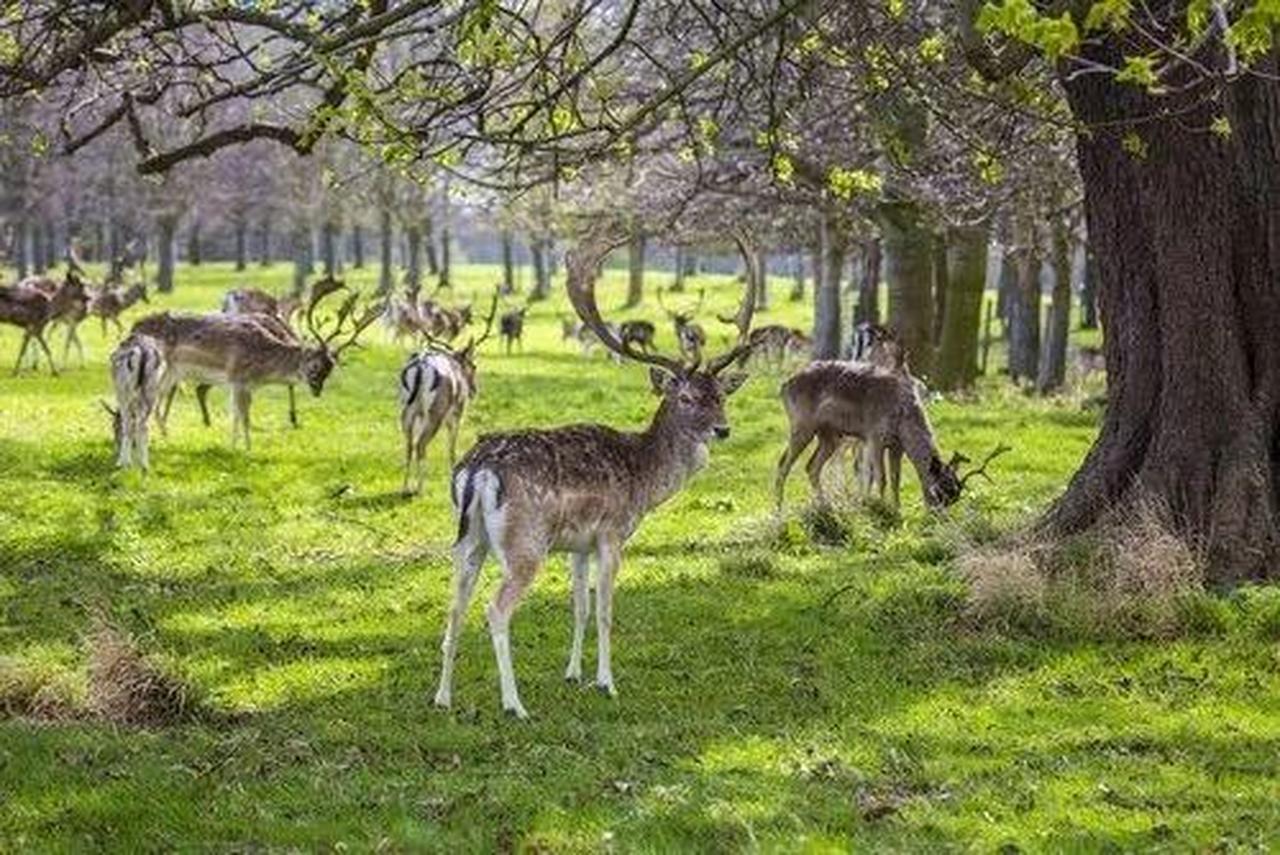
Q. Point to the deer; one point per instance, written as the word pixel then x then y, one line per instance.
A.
pixel 239 351
pixel 638 333
pixel 436 386
pixel 275 315
pixel 136 367
pixel 511 328
pixel 690 335
pixel 832 400
pixel 33 306
pixel 109 303
pixel 586 337
pixel 581 489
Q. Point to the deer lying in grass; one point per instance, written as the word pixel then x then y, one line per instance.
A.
pixel 435 387
pixel 109 303
pixel 240 352
pixel 34 305
pixel 581 489
pixel 690 335
pixel 136 367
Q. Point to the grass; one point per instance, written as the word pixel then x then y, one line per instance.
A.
pixel 816 683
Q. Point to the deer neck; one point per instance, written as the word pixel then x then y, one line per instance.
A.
pixel 915 436
pixel 668 456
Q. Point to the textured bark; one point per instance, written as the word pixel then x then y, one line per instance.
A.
pixel 966 270
pixel 386 240
pixel 357 246
pixel 1024 307
pixel 427 233
pixel 541 275
pixel 194 246
pixel 21 247
pixel 635 269
pixel 1089 293
pixel 826 291
pixel 1187 241
pixel 908 249
pixel 167 234
pixel 444 279
pixel 941 281
pixel 797 282
pixel 868 307
pixel 508 264
pixel 677 284
pixel 329 247
pixel 762 283
pixel 1053 357
pixel 37 249
pixel 413 263
pixel 50 245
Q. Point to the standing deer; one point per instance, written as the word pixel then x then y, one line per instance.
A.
pixel 275 315
pixel 136 366
pixel 109 303
pixel 638 334
pixel 33 306
pixel 690 335
pixel 435 387
pixel 511 328
pixel 581 489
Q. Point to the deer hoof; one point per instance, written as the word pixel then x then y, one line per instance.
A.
pixel 516 712
pixel 443 700
pixel 607 690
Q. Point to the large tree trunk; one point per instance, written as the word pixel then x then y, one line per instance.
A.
pixel 635 268
pixel 167 228
pixel 541 276
pixel 1053 358
pixel 966 270
pixel 941 281
pixel 826 290
pixel 762 284
pixel 1187 240
pixel 908 249
pixel 386 237
pixel 1089 292
pixel 508 264
pixel 1024 307
pixel 241 229
pixel 868 306
pixel 413 273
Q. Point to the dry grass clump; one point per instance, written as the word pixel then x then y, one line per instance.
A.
pixel 27 691
pixel 125 687
pixel 1133 576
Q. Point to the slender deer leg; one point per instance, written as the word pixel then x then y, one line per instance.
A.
pixel 607 557
pixel 22 351
pixel 420 457
pixel 293 407
pixel 579 569
pixel 895 474
pixel 827 444
pixel 141 432
pixel 241 398
pixel 468 556
pixel 407 429
pixel 168 388
pixel 44 346
pixel 202 398
pixel 517 573
pixel 795 447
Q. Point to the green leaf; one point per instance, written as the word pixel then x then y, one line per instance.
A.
pixel 847 183
pixel 1109 14
pixel 1139 70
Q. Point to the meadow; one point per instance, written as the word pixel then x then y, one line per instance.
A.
pixel 807 682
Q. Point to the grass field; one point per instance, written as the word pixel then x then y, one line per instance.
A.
pixel 780 688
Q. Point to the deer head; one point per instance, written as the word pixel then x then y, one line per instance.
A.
pixel 319 360
pixel 692 394
pixel 946 483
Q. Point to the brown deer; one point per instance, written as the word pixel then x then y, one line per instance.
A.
pixel 511 328
pixel 275 315
pixel 638 334
pixel 240 352
pixel 34 305
pixel 109 303
pixel 690 335
pixel 582 489
pixel 435 387
pixel 136 367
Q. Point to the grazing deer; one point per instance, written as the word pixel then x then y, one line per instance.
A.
pixel 581 489
pixel 511 328
pixel 585 337
pixel 435 388
pixel 832 400
pixel 639 334
pixel 136 367
pixel 109 303
pixel 33 307
pixel 239 351
pixel 275 315
pixel 689 334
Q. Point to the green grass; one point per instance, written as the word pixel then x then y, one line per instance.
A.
pixel 775 693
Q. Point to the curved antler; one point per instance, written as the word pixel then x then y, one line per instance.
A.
pixel 319 291
pixel 582 266
pixel 473 342
pixel 981 469
pixel 746 309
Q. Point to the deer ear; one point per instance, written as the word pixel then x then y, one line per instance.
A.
pixel 660 380
pixel 730 383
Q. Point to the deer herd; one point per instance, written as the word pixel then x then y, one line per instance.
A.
pixel 581 489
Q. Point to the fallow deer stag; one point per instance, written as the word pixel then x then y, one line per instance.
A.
pixel 581 489
pixel 109 303
pixel 435 387
pixel 275 314
pixel 136 367
pixel 690 335
pixel 833 400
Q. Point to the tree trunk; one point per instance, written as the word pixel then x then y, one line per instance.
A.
pixel 1006 287
pixel 193 244
pixel 797 282
pixel 413 273
pixel 635 269
pixel 677 286
pixel 167 227
pixel 762 284
pixel 826 291
pixel 966 270
pixel 1053 359
pixel 541 280
pixel 868 306
pixel 37 249
pixel 1188 270
pixel 428 233
pixel 1024 307
pixel 446 256
pixel 242 228
pixel 329 247
pixel 21 258
pixel 264 242
pixel 386 238
pixel 357 246
pixel 50 245
pixel 940 283
pixel 508 264
pixel 301 257
pixel 908 249
pixel 1089 292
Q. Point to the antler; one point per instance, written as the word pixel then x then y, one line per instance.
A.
pixel 323 288
pixel 981 469
pixel 474 342
pixel 663 306
pixel 371 313
pixel 582 266
pixel 746 309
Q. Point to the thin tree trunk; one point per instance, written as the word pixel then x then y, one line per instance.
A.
pixel 541 281
pixel 1024 308
pixel 241 229
pixel 908 249
pixel 193 244
pixel 413 273
pixel 301 257
pixel 1053 359
pixel 966 270
pixel 446 256
pixel 508 264
pixel 50 245
pixel 264 242
pixel 868 307
pixel 826 292
pixel 37 249
pixel 797 282
pixel 1006 287
pixel 21 246
pixel 329 248
pixel 762 284
pixel 357 246
pixel 167 226
pixel 635 268
pixel 941 282
pixel 677 285
pixel 1089 293
pixel 386 239
pixel 427 233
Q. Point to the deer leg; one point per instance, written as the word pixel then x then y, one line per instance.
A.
pixel 142 438
pixel 607 558
pixel 517 573
pixel 202 398
pixel 468 556
pixel 293 407
pixel 168 389
pixel 895 475
pixel 795 447
pixel 44 346
pixel 425 435
pixel 409 445
pixel 579 567
pixel 827 444
pixel 22 351
pixel 240 400
pixel 452 427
